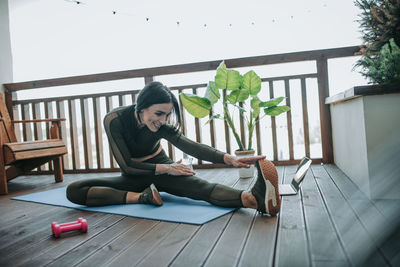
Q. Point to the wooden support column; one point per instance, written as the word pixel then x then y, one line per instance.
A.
pixel 325 113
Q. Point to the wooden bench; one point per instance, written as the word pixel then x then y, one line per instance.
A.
pixel 17 158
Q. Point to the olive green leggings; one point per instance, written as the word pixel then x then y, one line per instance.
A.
pixel 113 190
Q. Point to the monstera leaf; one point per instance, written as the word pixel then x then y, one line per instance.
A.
pixel 212 93
pixel 227 79
pixel 198 106
pixel 276 110
pixel 252 82
pixel 238 95
pixel 272 102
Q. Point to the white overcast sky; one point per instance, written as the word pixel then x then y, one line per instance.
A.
pixel 57 38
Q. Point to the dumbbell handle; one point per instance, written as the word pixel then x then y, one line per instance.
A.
pixel 65 227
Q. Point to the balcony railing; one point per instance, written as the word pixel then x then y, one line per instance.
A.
pixel 85 137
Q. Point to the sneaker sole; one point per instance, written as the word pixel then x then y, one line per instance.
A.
pixel 272 197
pixel 156 195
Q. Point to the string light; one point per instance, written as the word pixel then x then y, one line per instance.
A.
pixel 178 23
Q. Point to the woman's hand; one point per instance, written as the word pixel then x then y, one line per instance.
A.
pixel 242 162
pixel 175 169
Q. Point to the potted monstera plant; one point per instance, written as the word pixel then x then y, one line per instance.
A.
pixel 232 88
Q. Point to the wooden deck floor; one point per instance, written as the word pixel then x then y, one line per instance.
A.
pixel 329 223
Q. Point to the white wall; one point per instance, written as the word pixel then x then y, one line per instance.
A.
pixel 382 121
pixel 366 143
pixel 349 141
pixel 6 68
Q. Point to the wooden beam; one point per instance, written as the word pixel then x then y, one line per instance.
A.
pixel 185 68
pixel 325 113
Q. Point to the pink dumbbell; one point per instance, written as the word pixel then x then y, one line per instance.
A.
pixel 57 229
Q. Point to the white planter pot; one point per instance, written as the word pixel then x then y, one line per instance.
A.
pixel 245 172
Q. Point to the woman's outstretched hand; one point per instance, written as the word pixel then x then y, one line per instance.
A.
pixel 174 169
pixel 242 162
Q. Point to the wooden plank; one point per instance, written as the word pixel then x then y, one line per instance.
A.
pixel 148 79
pixel 292 248
pixel 17 127
pixel 8 97
pixel 259 248
pixel 183 117
pixel 49 249
pixel 197 127
pixel 18 233
pixel 325 246
pixel 93 245
pixel 109 107
pixel 36 115
pixel 86 130
pixel 258 137
pixel 134 253
pixel 233 237
pixel 7 122
pixel 305 117
pixel 18 211
pixel 289 121
pixel 290 77
pixel 190 67
pixel 382 228
pixel 324 111
pixel 26 127
pixel 196 251
pixel 205 241
pixel 98 133
pixel 199 247
pixel 61 114
pixel 32 154
pixel 73 135
pixel 33 145
pixel 273 124
pixel 121 100
pixel 355 239
pixel 166 250
pixel 113 249
pixel 29 230
pixel 133 97
pixel 48 113
pixel 213 137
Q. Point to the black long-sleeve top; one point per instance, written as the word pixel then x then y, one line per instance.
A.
pixel 128 141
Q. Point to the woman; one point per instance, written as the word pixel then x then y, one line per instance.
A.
pixel 134 134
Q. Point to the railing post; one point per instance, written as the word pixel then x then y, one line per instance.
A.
pixel 148 79
pixel 325 113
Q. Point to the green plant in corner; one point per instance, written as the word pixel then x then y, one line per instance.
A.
pixel 234 90
pixel 380 27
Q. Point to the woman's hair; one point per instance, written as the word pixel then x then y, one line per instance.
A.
pixel 157 93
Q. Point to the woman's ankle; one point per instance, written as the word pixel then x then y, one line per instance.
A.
pixel 132 197
pixel 248 200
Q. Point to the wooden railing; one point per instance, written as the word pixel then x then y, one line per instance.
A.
pixel 85 137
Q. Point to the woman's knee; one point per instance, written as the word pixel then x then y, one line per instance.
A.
pixel 77 193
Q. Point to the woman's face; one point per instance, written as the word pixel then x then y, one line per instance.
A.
pixel 156 115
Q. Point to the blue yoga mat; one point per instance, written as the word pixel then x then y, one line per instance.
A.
pixel 175 209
